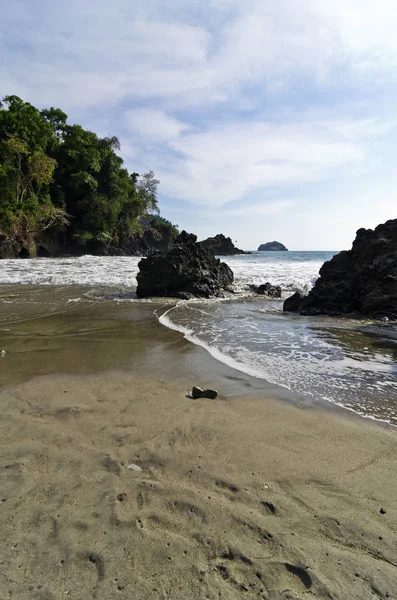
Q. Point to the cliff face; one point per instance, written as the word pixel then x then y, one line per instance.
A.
pixel 56 245
pixel 362 280
pixel 272 246
pixel 221 245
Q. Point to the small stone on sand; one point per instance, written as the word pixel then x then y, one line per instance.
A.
pixel 200 393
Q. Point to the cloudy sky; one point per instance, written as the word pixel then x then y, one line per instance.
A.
pixel 263 119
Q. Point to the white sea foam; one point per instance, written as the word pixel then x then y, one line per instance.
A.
pixel 121 271
pixel 291 275
pixel 84 270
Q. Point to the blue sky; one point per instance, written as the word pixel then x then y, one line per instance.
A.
pixel 262 119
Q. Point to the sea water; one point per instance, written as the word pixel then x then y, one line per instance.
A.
pixel 351 363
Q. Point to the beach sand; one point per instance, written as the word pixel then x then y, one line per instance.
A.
pixel 238 497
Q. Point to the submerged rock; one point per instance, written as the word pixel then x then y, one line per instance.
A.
pixel 186 270
pixel 361 281
pixel 221 245
pixel 269 290
pixel 272 247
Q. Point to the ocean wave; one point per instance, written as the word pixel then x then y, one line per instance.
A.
pixel 122 272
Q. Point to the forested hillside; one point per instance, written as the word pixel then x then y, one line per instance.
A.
pixel 63 189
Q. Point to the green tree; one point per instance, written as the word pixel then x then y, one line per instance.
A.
pixel 24 120
pixel 147 191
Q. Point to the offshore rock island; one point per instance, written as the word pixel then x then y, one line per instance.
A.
pixel 272 247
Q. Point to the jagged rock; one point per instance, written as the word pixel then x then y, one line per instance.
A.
pixel 185 270
pixel 293 303
pixel 267 289
pixel 272 246
pixel 362 280
pixel 221 245
pixel 200 393
pixel 185 238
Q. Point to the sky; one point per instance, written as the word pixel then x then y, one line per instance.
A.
pixel 262 119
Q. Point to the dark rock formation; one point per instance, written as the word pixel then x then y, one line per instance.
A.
pixel 54 243
pixel 185 238
pixel 362 280
pixel 267 289
pixel 51 245
pixel 130 245
pixel 185 270
pixel 293 303
pixel 10 249
pixel 221 245
pixel 272 246
pixel 127 245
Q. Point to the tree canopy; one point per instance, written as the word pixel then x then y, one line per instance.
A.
pixel 53 174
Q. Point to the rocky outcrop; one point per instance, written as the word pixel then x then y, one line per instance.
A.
pixel 267 289
pixel 272 247
pixel 186 270
pixel 293 303
pixel 361 281
pixel 221 245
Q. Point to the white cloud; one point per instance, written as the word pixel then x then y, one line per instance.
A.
pixel 366 30
pixel 90 53
pixel 226 163
pixel 154 125
pixel 256 210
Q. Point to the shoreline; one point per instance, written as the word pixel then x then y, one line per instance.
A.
pixel 52 328
pixel 278 391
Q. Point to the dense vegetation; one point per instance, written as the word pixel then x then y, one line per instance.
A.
pixel 66 181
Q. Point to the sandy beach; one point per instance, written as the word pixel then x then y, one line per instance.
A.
pixel 115 484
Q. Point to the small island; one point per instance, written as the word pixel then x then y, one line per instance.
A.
pixel 272 247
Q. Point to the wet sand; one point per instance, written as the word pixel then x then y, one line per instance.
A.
pixel 239 497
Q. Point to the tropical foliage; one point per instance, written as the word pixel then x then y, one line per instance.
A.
pixel 61 176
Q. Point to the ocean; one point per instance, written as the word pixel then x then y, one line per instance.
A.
pixel 346 362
